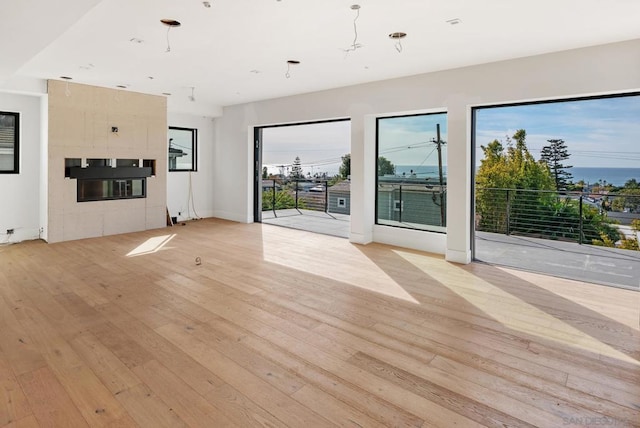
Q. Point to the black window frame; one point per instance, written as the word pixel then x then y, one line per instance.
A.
pixel 16 143
pixel 400 208
pixel 194 150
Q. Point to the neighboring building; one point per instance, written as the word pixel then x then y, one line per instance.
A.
pixel 268 184
pixel 340 198
pixel 410 200
pixel 174 154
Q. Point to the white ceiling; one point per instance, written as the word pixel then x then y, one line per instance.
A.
pixel 236 50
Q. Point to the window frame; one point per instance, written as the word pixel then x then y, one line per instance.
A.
pixel 422 227
pixel 16 143
pixel 194 149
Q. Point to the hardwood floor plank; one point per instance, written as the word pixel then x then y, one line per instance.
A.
pixel 27 422
pixel 288 411
pixel 150 345
pixel 191 407
pixel 13 402
pixel 113 373
pixel 468 404
pixel 49 401
pixel 147 410
pixel 333 409
pixel 240 409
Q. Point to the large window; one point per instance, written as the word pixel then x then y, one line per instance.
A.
pixel 566 172
pixel 9 142
pixel 182 149
pixel 411 171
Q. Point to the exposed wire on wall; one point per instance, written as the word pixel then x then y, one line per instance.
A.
pixel 190 202
pixel 192 97
pixel 354 45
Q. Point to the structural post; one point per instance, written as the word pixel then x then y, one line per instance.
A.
pixel 581 225
pixel 443 211
pixel 273 199
pixel 508 212
pixel 326 196
pixel 400 207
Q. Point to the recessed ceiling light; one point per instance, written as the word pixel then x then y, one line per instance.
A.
pixel 398 35
pixel 66 77
pixel 170 22
pixel 150 77
pixel 136 40
pixel 355 6
pixel 293 62
pixel 166 93
pixel 454 21
pixel 121 86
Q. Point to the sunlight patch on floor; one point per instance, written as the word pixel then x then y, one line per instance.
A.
pixel 313 259
pixel 151 245
pixel 492 301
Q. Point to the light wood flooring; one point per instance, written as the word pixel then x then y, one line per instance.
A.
pixel 235 325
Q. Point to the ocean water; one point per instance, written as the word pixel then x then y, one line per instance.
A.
pixel 590 175
pixel 614 176
pixel 424 171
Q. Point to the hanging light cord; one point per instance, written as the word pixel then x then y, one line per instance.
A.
pixel 398 45
pixel 355 45
pixel 288 73
pixel 168 42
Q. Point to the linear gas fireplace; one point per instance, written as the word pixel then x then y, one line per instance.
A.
pixel 109 179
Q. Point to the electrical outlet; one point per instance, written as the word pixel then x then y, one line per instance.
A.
pixel 179 213
pixel 10 231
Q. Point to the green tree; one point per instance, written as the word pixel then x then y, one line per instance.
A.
pixel 296 168
pixel 345 168
pixel 553 155
pixel 629 197
pixel 283 199
pixel 504 179
pixel 385 167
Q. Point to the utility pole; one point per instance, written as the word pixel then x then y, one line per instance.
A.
pixel 439 143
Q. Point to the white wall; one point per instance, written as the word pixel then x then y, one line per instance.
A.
pixel 202 181
pixel 20 193
pixel 588 71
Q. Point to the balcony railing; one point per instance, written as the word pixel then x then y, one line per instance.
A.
pixel 280 194
pixel 570 216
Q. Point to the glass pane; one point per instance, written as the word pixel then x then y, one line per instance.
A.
pixel 182 143
pixel 127 162
pixel 8 135
pixel 412 171
pixel 96 190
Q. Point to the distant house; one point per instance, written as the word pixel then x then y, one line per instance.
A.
pixel 340 198
pixel 269 184
pixel 409 200
pixel 174 154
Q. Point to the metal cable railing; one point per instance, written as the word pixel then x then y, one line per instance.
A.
pixel 280 194
pixel 571 216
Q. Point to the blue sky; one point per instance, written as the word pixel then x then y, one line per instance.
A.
pixel 404 141
pixel 601 132
pixel 408 140
pixel 320 146
pixel 598 132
